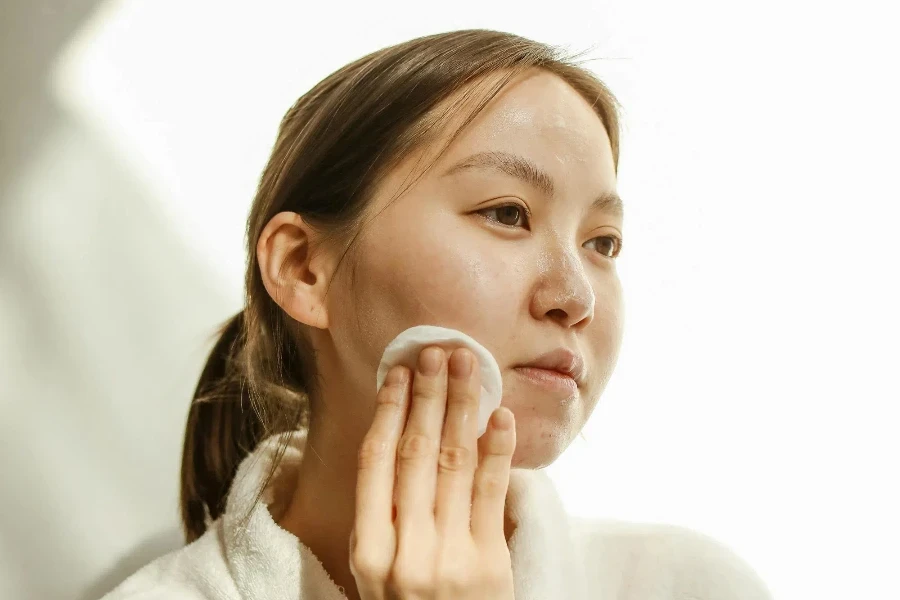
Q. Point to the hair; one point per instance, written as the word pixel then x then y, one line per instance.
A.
pixel 333 146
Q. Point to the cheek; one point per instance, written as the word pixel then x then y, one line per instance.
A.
pixel 606 334
pixel 467 286
pixel 611 311
pixel 446 275
pixel 442 276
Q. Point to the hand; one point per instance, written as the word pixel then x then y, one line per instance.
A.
pixel 446 539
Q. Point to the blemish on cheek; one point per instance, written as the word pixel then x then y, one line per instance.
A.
pixel 476 269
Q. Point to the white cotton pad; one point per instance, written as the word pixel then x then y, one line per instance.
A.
pixel 405 349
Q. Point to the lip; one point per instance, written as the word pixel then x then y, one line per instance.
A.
pixel 549 380
pixel 561 361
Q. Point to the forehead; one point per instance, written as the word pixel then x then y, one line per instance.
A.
pixel 540 116
pixel 537 115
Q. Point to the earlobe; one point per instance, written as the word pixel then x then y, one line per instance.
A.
pixel 292 273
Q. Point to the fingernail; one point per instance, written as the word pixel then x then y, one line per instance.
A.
pixel 430 361
pixel 502 419
pixel 460 364
pixel 397 375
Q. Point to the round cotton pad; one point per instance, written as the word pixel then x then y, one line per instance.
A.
pixel 405 348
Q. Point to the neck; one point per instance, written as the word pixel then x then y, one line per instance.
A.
pixel 321 512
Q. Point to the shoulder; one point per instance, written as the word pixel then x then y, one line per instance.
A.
pixel 637 561
pixel 197 571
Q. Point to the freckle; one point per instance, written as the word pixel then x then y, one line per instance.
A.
pixel 476 269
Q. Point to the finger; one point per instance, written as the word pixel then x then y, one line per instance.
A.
pixel 491 480
pixel 376 458
pixel 458 455
pixel 419 444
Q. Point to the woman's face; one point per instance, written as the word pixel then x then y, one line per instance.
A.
pixel 458 250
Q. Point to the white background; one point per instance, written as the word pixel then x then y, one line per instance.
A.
pixel 756 395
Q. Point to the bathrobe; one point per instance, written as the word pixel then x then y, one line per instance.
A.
pixel 554 555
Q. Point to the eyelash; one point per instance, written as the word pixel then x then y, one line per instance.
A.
pixel 527 212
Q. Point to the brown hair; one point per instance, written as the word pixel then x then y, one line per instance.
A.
pixel 333 146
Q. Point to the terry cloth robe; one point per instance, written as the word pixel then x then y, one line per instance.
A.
pixel 554 556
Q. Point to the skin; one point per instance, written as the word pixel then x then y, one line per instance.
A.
pixel 531 284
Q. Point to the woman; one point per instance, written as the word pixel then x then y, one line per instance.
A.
pixel 465 180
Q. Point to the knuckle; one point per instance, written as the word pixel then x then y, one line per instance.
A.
pixel 456 582
pixel 389 401
pixel 415 446
pixel 428 389
pixel 410 580
pixel 372 452
pixel 462 399
pixel 456 575
pixel 368 563
pixel 390 396
pixel 454 459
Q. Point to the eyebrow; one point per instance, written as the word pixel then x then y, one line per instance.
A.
pixel 521 168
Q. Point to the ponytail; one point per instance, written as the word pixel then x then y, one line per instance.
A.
pixel 222 429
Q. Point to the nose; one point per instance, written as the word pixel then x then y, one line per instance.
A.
pixel 564 292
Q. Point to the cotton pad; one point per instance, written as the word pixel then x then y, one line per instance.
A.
pixel 405 349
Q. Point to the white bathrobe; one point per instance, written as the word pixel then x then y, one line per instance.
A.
pixel 554 556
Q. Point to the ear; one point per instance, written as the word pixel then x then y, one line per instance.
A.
pixel 295 269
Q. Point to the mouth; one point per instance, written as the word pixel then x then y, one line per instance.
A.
pixel 559 363
pixel 549 380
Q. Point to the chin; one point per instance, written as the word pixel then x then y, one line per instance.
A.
pixel 539 445
pixel 545 426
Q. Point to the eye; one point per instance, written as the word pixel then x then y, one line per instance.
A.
pixel 508 212
pixel 609 246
